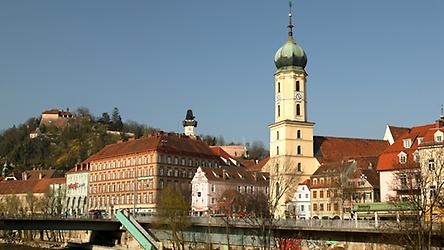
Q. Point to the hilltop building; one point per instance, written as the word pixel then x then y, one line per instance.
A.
pixel 55 117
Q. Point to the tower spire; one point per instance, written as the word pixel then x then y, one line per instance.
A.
pixel 290 23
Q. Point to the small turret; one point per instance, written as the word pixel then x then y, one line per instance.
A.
pixel 189 123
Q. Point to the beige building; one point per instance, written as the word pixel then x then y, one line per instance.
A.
pixel 137 170
pixel 55 117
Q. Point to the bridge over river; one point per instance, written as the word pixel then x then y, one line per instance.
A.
pixel 240 232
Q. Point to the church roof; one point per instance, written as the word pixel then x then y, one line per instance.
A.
pixel 336 149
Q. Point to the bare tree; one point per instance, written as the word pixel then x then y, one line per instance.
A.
pixel 173 215
pixel 266 210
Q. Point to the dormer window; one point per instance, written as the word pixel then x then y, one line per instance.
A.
pixel 407 143
pixel 402 158
pixel 439 136
pixel 420 140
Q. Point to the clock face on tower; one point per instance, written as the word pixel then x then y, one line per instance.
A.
pixel 298 97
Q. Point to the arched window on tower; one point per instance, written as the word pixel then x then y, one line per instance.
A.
pixel 299 167
pixel 277 135
pixel 299 150
pixel 298 109
pixel 279 87
pixel 279 110
pixel 277 150
pixel 299 134
pixel 298 86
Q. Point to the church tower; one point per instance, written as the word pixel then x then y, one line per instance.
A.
pixel 291 135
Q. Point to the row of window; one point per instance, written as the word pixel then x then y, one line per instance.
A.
pixel 122 199
pixel 327 180
pixel 328 194
pixel 298 150
pixel 298 134
pixel 321 207
pixel 147 159
pixel 148 172
pixel 297 86
pixel 298 110
pixel 121 186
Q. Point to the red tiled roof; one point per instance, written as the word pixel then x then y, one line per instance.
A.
pixel 161 142
pixel 397 131
pixel 26 186
pixel 306 182
pixel 429 138
pixel 236 175
pixel 249 164
pixel 389 159
pixel 260 165
pixel 335 149
pixel 51 111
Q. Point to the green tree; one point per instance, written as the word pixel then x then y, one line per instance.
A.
pixel 116 120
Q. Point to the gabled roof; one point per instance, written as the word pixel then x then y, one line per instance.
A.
pixel 227 158
pixel 397 131
pixel 236 176
pixel 336 149
pixel 260 165
pixel 389 159
pixel 162 142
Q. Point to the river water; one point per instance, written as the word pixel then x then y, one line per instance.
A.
pixel 15 247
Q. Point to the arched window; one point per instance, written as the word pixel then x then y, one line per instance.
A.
pixel 299 167
pixel 299 150
pixel 277 150
pixel 279 110
pixel 298 109
pixel 277 135
pixel 279 87
pixel 299 134
pixel 298 87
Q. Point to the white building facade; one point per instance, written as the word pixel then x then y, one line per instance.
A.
pixel 77 191
pixel 209 184
pixel 299 207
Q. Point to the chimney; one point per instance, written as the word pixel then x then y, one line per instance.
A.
pixel 40 175
pixel 24 176
pixel 224 174
pixel 440 123
pixel 255 176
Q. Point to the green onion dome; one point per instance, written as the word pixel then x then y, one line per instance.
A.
pixel 290 54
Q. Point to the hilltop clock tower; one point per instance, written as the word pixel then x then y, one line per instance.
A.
pixel 291 135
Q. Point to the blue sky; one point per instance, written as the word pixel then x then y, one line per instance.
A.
pixel 369 62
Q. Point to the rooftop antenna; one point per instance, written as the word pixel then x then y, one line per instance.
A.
pixel 290 23
pixel 442 112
